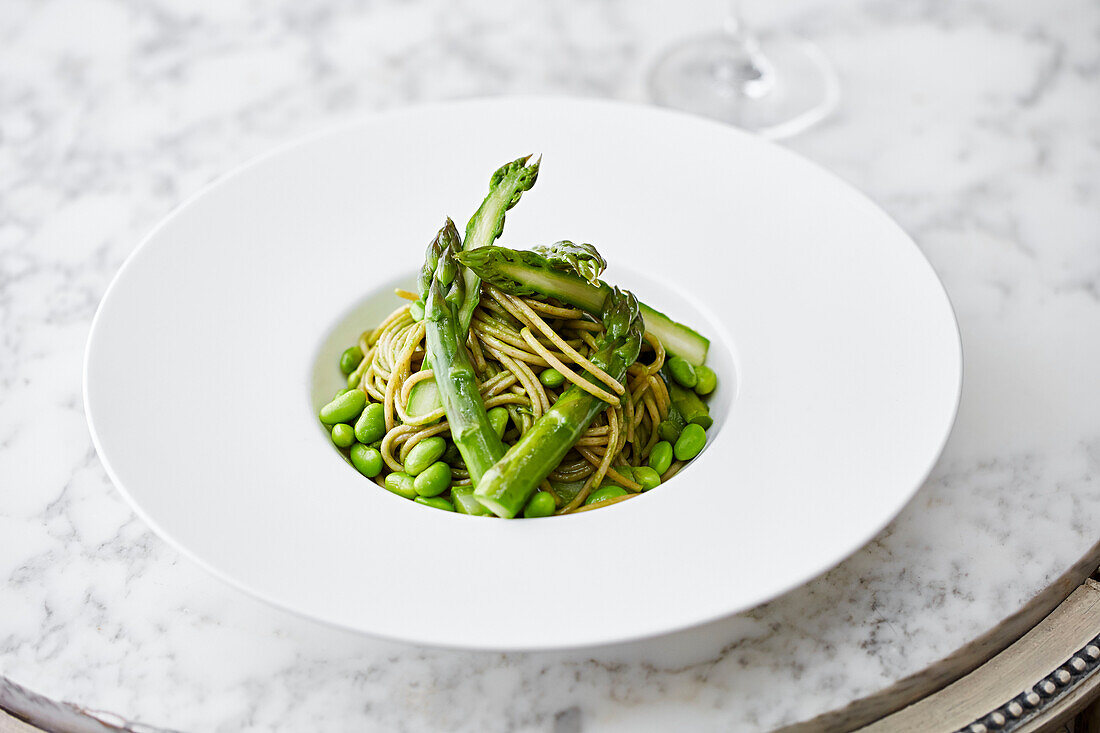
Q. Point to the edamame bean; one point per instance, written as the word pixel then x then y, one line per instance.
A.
pixel 607 492
pixel 682 371
pixel 401 484
pixel 344 408
pixel 690 407
pixel 436 501
pixel 669 430
pixel 707 380
pixel 690 443
pixel 424 454
pixel 498 418
pixel 349 360
pixel 353 379
pixel 540 505
pixel 416 310
pixel 660 458
pixel 647 477
pixel 552 378
pixel 367 460
pixel 371 425
pixel 343 435
pixel 433 480
pixel 341 392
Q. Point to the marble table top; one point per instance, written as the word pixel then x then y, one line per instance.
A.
pixel 977 125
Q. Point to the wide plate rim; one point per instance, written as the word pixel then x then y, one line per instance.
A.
pixel 444 641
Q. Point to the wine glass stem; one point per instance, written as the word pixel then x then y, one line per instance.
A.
pixel 735 21
pixel 749 72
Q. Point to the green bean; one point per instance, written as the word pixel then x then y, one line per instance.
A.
pixel 367 460
pixel 350 359
pixel 660 458
pixel 343 435
pixel 424 454
pixel 552 378
pixel 682 371
pixel 433 480
pixel 344 408
pixel 371 425
pixel 708 380
pixel 437 502
pixel 498 418
pixel 401 484
pixel 541 504
pixel 647 477
pixel 607 492
pixel 416 310
pixel 690 443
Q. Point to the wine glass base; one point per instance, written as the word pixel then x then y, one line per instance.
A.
pixel 786 89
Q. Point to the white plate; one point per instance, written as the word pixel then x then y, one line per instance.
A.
pixel 835 343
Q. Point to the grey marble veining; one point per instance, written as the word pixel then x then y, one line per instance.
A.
pixel 977 125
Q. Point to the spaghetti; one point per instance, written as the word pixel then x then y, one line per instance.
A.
pixel 511 337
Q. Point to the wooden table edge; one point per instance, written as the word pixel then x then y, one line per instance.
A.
pixel 965 661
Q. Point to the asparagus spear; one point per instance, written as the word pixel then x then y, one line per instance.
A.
pixel 521 272
pixel 443 290
pixel 507 486
pixel 506 186
pixel 582 259
pixel 688 404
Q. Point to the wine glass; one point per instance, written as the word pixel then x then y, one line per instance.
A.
pixel 771 84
